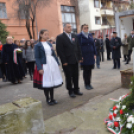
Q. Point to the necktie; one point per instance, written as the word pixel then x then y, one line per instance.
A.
pixel 69 36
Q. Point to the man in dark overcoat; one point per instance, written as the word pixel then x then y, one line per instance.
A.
pixel 98 47
pixel 107 41
pixel 116 53
pixel 68 50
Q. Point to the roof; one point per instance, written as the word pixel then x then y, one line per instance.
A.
pixel 125 13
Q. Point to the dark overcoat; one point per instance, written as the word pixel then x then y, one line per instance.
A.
pixel 107 41
pixel 97 46
pixel 88 49
pixel 102 45
pixel 116 42
pixel 13 71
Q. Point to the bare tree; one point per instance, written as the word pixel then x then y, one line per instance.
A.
pixel 26 9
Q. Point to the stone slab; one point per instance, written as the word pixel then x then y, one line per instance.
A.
pixel 7 108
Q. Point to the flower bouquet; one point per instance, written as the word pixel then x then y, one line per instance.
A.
pixel 15 52
pixel 121 116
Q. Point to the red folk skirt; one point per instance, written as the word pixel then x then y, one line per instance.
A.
pixel 37 79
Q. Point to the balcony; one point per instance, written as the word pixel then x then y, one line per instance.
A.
pixel 107 11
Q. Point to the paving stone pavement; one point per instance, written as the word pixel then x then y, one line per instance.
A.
pixel 104 81
pixel 87 119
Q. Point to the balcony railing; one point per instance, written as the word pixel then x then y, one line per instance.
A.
pixel 105 11
pixel 104 23
pixel 109 8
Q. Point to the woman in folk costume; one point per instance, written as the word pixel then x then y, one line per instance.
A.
pixel 47 74
pixel 10 56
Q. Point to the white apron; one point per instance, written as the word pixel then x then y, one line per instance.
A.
pixel 52 75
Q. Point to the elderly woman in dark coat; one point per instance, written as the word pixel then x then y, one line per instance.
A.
pixel 88 53
pixel 14 70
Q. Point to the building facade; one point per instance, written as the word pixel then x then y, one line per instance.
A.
pixel 51 17
pixel 124 22
pixel 99 14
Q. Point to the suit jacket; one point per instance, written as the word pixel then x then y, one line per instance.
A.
pixel 40 56
pixel 88 49
pixel 68 50
pixel 117 43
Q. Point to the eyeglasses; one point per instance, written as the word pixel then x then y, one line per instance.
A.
pixel 86 27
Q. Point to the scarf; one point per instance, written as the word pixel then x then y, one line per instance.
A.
pixel 85 34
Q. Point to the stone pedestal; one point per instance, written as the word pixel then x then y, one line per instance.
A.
pixel 24 116
pixel 126 77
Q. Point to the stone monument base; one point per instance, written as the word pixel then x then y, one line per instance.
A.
pixel 126 77
pixel 24 116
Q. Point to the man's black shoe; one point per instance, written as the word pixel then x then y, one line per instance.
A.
pixel 126 63
pixel 78 93
pixel 72 95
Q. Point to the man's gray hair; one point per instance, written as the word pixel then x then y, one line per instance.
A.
pixel 65 24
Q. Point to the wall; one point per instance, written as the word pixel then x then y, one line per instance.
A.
pixel 94 12
pixel 15 27
pixel 88 13
pixel 124 22
pixel 84 12
pixel 126 25
pixel 48 16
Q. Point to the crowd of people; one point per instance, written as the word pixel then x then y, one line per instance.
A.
pixel 41 58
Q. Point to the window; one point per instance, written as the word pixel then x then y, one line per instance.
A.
pixel 68 15
pixel 24 12
pixel 103 4
pixel 3 13
pixel 104 21
pixel 97 20
pixel 96 3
